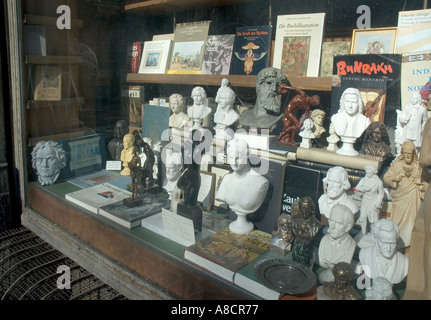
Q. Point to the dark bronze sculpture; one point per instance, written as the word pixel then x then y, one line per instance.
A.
pixel 135 172
pixel 115 146
pixel 377 143
pixel 341 288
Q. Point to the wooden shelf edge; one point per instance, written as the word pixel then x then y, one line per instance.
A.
pixel 50 21
pixel 305 83
pixel 52 59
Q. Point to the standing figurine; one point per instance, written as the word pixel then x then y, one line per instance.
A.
pixel 135 172
pixel 342 286
pixel 48 158
pixel 115 146
pixel 127 153
pixel 338 245
pixel 349 122
pixel 377 145
pixel 290 122
pixel 225 115
pixel 243 190
pixel 178 118
pixel 408 184
pixel 305 227
pixel 372 188
pixel 199 110
pixel 410 123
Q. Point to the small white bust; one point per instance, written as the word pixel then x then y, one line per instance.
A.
pixel 178 118
pixel 382 259
pixel 332 139
pixel 225 115
pixel 199 110
pixel 173 167
pixel 380 290
pixel 350 122
pixel 338 245
pixel 307 133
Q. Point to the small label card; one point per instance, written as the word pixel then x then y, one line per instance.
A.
pixel 178 227
pixel 113 165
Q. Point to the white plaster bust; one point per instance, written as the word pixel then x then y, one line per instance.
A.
pixel 337 184
pixel 173 168
pixel 382 259
pixel 332 139
pixel 243 190
pixel 307 133
pixel 338 245
pixel 225 115
pixel 178 118
pixel 349 122
pixel 380 290
pixel 48 158
pixel 199 110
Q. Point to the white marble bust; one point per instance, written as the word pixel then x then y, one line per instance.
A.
pixel 178 118
pixel 199 110
pixel 350 122
pixel 243 190
pixel 338 245
pixel 382 259
pixel 307 133
pixel 225 115
pixel 337 184
pixel 380 290
pixel 173 168
pixel 48 158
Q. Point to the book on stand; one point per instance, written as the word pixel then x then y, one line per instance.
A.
pixel 155 56
pixel 47 83
pixel 414 28
pixel 131 217
pixel 95 197
pixel 252 49
pixel 218 54
pixel 224 253
pixel 298 44
pixel 329 50
pixel 188 48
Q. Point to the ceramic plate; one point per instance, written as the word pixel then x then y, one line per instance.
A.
pixel 285 276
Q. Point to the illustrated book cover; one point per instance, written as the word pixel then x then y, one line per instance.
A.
pixel 252 49
pixel 155 121
pixel 265 218
pixel 414 29
pixel 298 44
pixel 131 217
pixel 84 155
pixel 224 252
pixel 218 54
pixel 95 197
pixel 132 99
pixel 329 50
pixel 155 56
pixel 415 76
pixel 188 48
pixel 133 59
pixel 47 83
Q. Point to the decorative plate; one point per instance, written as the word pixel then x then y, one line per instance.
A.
pixel 285 276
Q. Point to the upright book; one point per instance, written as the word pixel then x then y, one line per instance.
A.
pixel 218 54
pixel 189 47
pixel 155 56
pixel 133 59
pixel 298 44
pixel 225 252
pixel 47 83
pixel 131 217
pixel 252 48
pixel 414 29
pixel 95 197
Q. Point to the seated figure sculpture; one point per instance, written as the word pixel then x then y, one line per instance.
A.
pixel 349 122
pixel 243 190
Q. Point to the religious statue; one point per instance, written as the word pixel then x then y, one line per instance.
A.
pixel 48 158
pixel 243 190
pixel 410 123
pixel 408 182
pixel 377 141
pixel 337 245
pixel 419 284
pixel 178 118
pixel 332 139
pixel 225 114
pixel 318 115
pixel 380 290
pixel 115 146
pixel 282 238
pixel 342 286
pixel 173 168
pixel 270 102
pixel 199 110
pixel 291 124
pixel 372 188
pixel 349 122
pixel 337 183
pixel 307 133
pixel 382 259
pixel 305 227
pixel 127 153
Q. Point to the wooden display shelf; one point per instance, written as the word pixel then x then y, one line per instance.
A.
pixel 167 6
pixel 49 21
pixel 52 59
pixel 305 83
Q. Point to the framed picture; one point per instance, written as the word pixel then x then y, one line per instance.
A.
pixel 220 171
pixel 374 41
pixel 206 191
